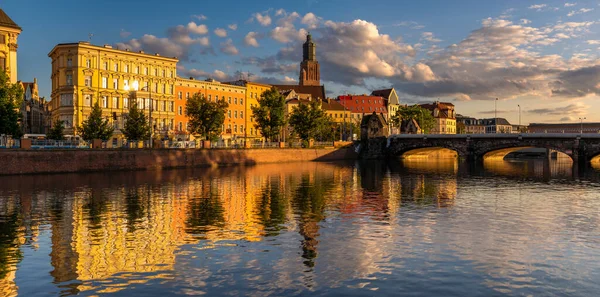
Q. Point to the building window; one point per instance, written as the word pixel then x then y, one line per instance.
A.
pixel 180 126
pixel 241 114
pixel 171 106
pixel 126 84
pixel 105 82
pixel 209 97
pixel 229 100
pixel 251 131
pixel 156 88
pixel 241 101
pixel 229 114
pixel 2 39
pixel 180 95
pixel 155 72
pixel 104 101
pixel 235 100
pixel 137 69
pixel 164 88
pixel 66 99
pixel 180 110
pixel 69 62
pixel 224 99
pixel 242 128
pixel 235 114
pixel 69 79
pixel 116 68
pixel 115 102
pixel 87 100
pixel 171 90
pixel 126 68
pixel 3 63
pixel 87 81
pixel 235 128
pixel 125 102
pixel 88 63
pixel 146 71
pixel 105 65
pixel 115 83
pixel 187 95
pixel 164 74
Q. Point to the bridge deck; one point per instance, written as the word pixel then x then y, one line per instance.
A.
pixel 498 136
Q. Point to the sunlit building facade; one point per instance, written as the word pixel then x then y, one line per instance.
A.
pixel 84 74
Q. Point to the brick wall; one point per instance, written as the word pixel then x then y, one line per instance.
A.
pixel 61 161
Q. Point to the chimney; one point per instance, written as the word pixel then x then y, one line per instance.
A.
pixel 35 80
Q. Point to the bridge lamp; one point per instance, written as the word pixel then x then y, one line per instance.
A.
pixel 581 127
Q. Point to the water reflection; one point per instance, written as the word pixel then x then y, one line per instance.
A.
pixel 311 227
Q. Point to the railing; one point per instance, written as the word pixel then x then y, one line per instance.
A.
pixel 323 143
pixel 9 143
pixel 58 144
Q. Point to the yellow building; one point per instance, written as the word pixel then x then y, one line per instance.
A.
pixel 9 31
pixel 83 74
pixel 254 91
pixel 445 117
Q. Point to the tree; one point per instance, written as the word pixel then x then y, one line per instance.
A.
pixel 136 127
pixel 461 128
pixel 57 130
pixel 423 117
pixel 11 98
pixel 206 117
pixel 270 114
pixel 95 127
pixel 308 119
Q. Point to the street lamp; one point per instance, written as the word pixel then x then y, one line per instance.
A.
pixel 581 127
pixel 519 106
pixel 496 116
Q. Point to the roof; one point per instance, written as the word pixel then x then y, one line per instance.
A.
pixel 332 105
pixel 314 91
pixel 110 48
pixel 6 21
pixel 385 93
pixel 495 121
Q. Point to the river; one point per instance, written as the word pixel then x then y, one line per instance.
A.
pixel 418 228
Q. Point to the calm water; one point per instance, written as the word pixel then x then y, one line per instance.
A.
pixel 398 228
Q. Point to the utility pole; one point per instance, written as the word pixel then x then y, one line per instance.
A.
pixel 496 116
pixel 581 127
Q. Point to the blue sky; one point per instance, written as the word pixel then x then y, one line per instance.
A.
pixel 541 55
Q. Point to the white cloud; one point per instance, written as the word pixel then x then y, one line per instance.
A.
pixel 285 31
pixel 525 21
pixel 232 27
pixel 310 20
pixel 562 36
pixel 199 17
pixel 593 42
pixel 124 34
pixel 429 37
pixel 263 19
pixel 250 39
pixel 221 32
pixel 537 6
pixel 153 44
pixel 570 4
pixel 228 48
pixel 580 11
pixel 197 29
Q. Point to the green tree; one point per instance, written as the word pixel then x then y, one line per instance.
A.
pixel 57 130
pixel 136 127
pixel 95 127
pixel 11 98
pixel 423 117
pixel 206 117
pixel 308 120
pixel 270 114
pixel 460 128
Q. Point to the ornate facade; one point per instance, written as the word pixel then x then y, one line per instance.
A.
pixel 83 74
pixel 9 32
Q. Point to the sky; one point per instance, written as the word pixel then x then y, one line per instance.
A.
pixel 539 55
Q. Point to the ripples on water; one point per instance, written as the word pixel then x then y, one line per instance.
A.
pixel 397 228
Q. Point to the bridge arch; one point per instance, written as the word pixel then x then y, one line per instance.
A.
pixel 503 151
pixel 399 147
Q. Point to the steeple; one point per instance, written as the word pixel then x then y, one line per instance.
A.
pixel 310 74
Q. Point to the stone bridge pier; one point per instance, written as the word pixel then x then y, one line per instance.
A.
pixel 473 147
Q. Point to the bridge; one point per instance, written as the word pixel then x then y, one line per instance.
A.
pixel 582 148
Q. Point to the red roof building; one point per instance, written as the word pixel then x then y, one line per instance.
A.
pixel 364 104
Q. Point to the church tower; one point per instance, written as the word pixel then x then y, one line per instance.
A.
pixel 310 74
pixel 9 31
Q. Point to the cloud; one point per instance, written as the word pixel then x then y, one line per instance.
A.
pixel 499 111
pixel 251 39
pixel 593 42
pixel 221 32
pixel 153 44
pixel 286 31
pixel 228 48
pixel 562 36
pixel 570 4
pixel 271 65
pixel 575 109
pixel 201 74
pixel 199 17
pixel 124 34
pixel 310 20
pixel 429 37
pixel 195 28
pixel 525 21
pixel 537 6
pixel 263 19
pixel 232 27
pixel 580 11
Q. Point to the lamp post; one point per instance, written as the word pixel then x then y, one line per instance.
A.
pixel 519 106
pixel 496 116
pixel 581 125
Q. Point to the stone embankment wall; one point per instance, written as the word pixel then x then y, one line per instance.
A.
pixel 62 161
